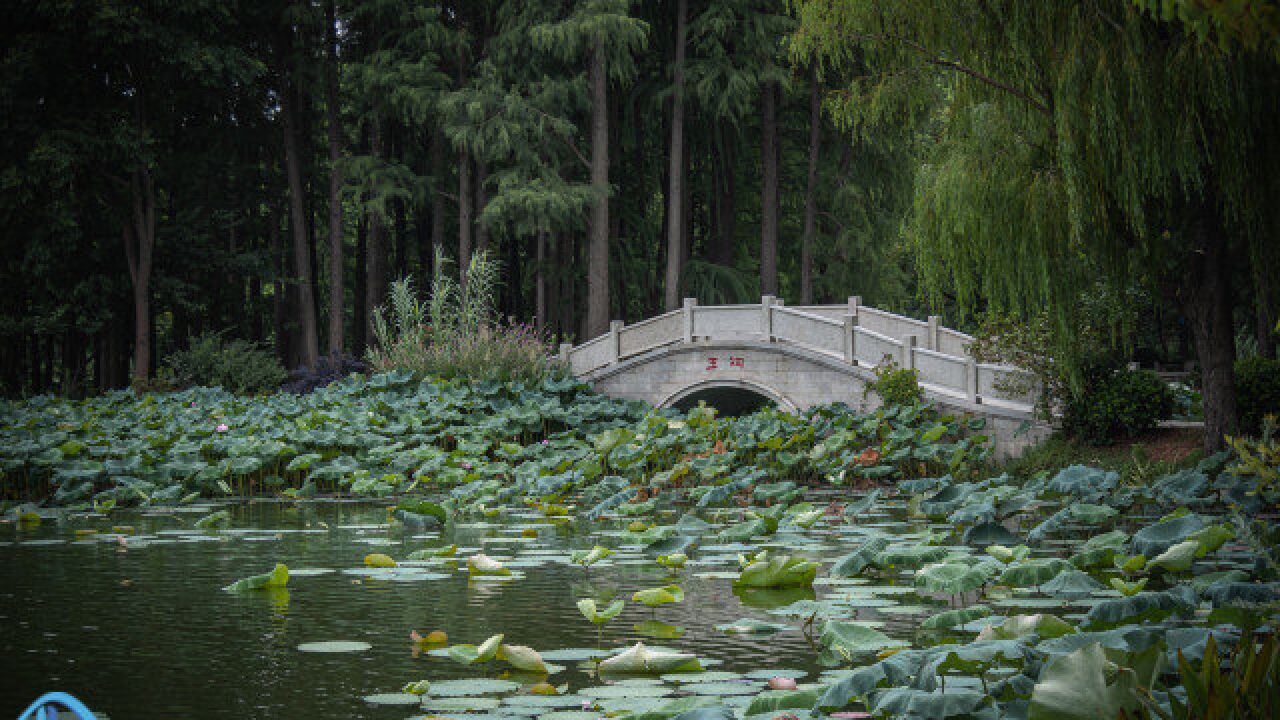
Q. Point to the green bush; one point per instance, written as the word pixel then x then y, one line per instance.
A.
pixel 457 333
pixel 1114 406
pixel 1257 391
pixel 237 366
pixel 896 385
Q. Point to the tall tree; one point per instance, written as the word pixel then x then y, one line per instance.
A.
pixel 769 189
pixel 298 216
pixel 333 113
pixel 1084 144
pixel 606 36
pixel 811 194
pixel 675 169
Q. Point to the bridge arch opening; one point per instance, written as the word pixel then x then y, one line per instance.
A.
pixel 731 398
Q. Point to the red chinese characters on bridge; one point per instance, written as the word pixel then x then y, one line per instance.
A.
pixel 713 363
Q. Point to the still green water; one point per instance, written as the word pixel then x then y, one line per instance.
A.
pixel 144 630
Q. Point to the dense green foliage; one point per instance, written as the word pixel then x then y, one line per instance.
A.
pixel 896 385
pixel 1257 391
pixel 1115 406
pixel 392 432
pixel 263 150
pixel 1078 145
pixel 212 360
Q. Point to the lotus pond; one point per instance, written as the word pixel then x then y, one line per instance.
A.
pixel 436 550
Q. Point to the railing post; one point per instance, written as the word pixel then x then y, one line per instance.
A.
pixel 564 351
pixel 615 340
pixel 971 380
pixel 855 301
pixel 850 335
pixel 689 305
pixel 909 351
pixel 766 318
pixel 931 339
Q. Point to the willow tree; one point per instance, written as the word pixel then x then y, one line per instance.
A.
pixel 604 35
pixel 1084 144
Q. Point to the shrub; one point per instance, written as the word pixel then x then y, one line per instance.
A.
pixel 457 333
pixel 328 369
pixel 896 385
pixel 1257 391
pixel 1113 406
pixel 237 366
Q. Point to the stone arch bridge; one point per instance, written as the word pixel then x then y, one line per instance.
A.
pixel 798 357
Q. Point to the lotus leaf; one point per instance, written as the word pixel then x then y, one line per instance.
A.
pixel 1128 588
pixel 640 660
pixel 1071 584
pixel 955 618
pixel 909 556
pixel 777 572
pixel 1092 514
pixel 277 578
pixel 212 520
pixel 653 597
pixel 673 561
pixel 522 658
pixel 1177 558
pixel 850 641
pixel 1084 685
pixel 1155 539
pixel 1142 607
pixel 378 560
pixel 856 561
pixel 1036 572
pixel 470 654
pixel 771 701
pixel 481 564
pixel 952 578
pixel 1008 554
pixel 588 608
pixel 1045 626
pixel 915 703
pixel 587 558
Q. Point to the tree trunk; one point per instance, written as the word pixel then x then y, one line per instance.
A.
pixel 337 298
pixel 359 341
pixel 139 245
pixel 306 309
pixel 540 282
pixel 375 263
pixel 464 215
pixel 810 195
pixel 482 199
pixel 598 245
pixel 724 243
pixel 1264 310
pixel 675 172
pixel 437 198
pixel 769 190
pixel 1207 306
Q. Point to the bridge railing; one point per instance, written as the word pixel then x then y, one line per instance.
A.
pixel 852 333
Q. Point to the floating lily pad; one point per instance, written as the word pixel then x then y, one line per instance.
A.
pixel 335 646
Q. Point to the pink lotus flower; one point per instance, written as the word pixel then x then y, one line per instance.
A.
pixel 782 683
pixel 466 466
pixel 222 427
pixel 546 442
